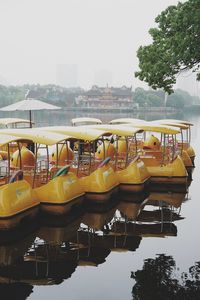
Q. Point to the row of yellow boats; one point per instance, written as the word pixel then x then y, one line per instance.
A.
pixel 55 168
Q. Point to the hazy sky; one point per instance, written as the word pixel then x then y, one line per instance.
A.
pixel 36 35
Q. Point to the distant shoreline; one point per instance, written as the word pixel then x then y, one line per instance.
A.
pixel 124 109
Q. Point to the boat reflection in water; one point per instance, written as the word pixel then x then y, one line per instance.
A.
pixel 12 283
pixel 167 199
pixel 52 254
pixel 152 216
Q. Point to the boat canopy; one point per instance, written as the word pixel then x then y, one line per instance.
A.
pixel 80 132
pixel 13 121
pixel 168 121
pixel 35 135
pixel 121 130
pixel 125 121
pixel 178 125
pixel 147 126
pixel 6 139
pixel 85 121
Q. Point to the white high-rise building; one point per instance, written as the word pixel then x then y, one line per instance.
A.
pixel 103 78
pixel 67 75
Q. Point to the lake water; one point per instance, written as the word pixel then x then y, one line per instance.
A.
pixel 144 249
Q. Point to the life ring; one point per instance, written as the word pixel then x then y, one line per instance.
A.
pixel 18 175
pixel 104 162
pixel 62 171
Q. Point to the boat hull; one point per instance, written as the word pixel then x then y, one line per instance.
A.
pixel 100 185
pixel 60 194
pixel 135 178
pixel 171 173
pixel 191 153
pixel 16 204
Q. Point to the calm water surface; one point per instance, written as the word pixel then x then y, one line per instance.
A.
pixel 144 249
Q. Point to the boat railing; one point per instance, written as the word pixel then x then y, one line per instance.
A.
pixel 84 165
pixel 4 175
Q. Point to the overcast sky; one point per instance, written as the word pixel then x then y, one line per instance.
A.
pixel 36 35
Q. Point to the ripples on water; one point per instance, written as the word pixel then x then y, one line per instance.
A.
pixel 137 247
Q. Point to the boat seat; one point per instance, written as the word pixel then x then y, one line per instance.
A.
pixel 157 154
pixel 149 160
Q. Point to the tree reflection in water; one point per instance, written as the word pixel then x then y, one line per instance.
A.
pixel 17 291
pixel 159 280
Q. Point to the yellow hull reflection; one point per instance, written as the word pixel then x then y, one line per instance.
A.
pixel 131 210
pixel 173 199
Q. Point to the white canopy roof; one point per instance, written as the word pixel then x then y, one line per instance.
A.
pixel 29 104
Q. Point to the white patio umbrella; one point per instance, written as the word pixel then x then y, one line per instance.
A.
pixel 29 105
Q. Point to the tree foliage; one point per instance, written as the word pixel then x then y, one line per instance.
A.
pixel 175 46
pixel 158 280
pixel 151 98
pixel 50 93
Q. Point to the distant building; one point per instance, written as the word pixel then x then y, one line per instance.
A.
pixel 67 75
pixel 106 97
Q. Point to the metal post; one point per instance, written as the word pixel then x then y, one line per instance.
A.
pixel 30 118
pixel 35 167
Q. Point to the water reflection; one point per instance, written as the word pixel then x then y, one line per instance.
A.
pixel 11 290
pixel 167 199
pixel 160 279
pixel 53 253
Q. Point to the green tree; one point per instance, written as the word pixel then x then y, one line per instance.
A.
pixel 175 46
pixel 139 96
pixel 158 280
pixel 154 100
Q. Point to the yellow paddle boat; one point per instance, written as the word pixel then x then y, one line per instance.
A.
pixel 54 186
pixel 17 202
pixel 132 174
pixel 161 157
pixel 184 142
pixel 96 176
pixel 179 143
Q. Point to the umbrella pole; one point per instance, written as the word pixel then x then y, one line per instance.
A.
pixel 31 146
pixel 30 118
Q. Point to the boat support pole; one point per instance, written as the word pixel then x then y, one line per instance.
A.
pixel 20 156
pixel 90 154
pixel 35 166
pixel 30 118
pixel 127 152
pixel 116 152
pixel 47 163
pixel 189 135
pixel 181 141
pixel 57 159
pixel 8 162
pixel 164 146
